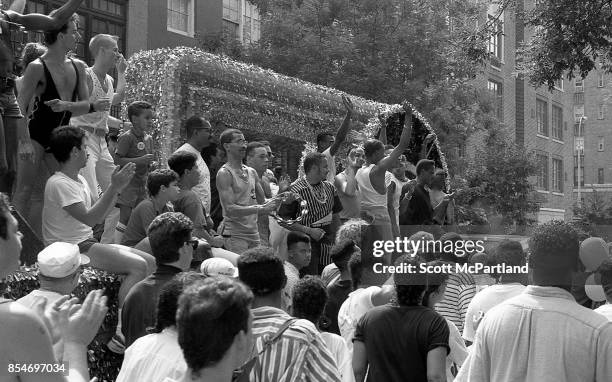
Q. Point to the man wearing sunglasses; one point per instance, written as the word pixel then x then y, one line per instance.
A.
pixel 172 245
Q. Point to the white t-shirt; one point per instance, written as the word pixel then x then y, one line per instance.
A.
pixel 605 310
pixel 338 348
pixel 485 300
pixel 331 165
pixel 58 225
pixel 458 351
pixel 358 303
pixel 154 358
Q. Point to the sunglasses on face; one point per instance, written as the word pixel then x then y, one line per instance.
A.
pixel 193 243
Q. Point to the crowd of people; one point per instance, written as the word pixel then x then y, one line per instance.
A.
pixel 233 272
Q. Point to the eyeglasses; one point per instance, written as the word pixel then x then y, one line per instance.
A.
pixel 240 142
pixel 194 243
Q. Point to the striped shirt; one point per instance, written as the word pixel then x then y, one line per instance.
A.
pixel 299 355
pixel 322 200
pixel 460 289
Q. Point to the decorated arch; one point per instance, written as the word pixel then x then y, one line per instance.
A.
pixel 265 105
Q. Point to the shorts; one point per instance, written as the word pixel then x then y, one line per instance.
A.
pixel 86 245
pixel 131 196
pixel 9 108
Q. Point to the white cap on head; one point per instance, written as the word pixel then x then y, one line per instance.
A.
pixel 59 260
pixel 217 266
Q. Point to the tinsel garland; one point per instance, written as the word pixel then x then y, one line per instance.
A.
pixel 182 81
pixel 103 364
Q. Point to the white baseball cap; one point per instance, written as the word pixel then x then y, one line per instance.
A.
pixel 217 266
pixel 59 260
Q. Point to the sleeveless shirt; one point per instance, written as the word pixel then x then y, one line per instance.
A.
pixel 244 192
pixel 98 119
pixel 44 119
pixel 370 198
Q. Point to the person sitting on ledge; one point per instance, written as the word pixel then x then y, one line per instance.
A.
pixel 69 215
pixel 163 188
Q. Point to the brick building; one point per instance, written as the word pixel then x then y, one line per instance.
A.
pixel 169 23
pixel 592 99
pixel 538 119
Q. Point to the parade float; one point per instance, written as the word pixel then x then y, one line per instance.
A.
pixel 287 112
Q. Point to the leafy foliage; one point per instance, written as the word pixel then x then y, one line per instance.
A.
pixel 498 181
pixel 594 215
pixel 571 38
pixel 422 51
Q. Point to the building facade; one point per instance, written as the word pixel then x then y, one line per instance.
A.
pixel 156 24
pixel 540 120
pixel 592 101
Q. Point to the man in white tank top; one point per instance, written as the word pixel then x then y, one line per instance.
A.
pixel 100 164
pixel 346 184
pixel 373 182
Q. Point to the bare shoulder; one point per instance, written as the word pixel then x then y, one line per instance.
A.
pixel 79 64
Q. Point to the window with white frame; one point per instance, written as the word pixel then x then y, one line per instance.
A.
pixel 251 25
pixel 542 117
pixel 181 17
pixel 557 175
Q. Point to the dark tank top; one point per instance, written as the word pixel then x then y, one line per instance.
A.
pixel 44 120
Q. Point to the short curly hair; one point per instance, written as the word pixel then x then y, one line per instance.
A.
pixel 351 230
pixel 167 233
pixel 554 245
pixel 309 299
pixel 262 271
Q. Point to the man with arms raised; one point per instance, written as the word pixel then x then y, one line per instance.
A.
pixel 372 178
pixel 241 195
pixel 25 336
pixel 329 145
pixel 10 21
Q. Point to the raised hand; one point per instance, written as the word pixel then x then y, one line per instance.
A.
pixel 121 64
pixel 355 136
pixel 429 138
pixel 283 183
pixel 348 104
pixel 121 178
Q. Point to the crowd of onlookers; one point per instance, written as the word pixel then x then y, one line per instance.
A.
pixel 232 271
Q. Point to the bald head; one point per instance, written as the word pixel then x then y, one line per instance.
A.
pixel 102 41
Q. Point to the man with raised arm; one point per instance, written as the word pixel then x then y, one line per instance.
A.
pixel 329 145
pixel 100 166
pixel 59 84
pixel 241 195
pixel 372 179
pixel 25 335
pixel 11 20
